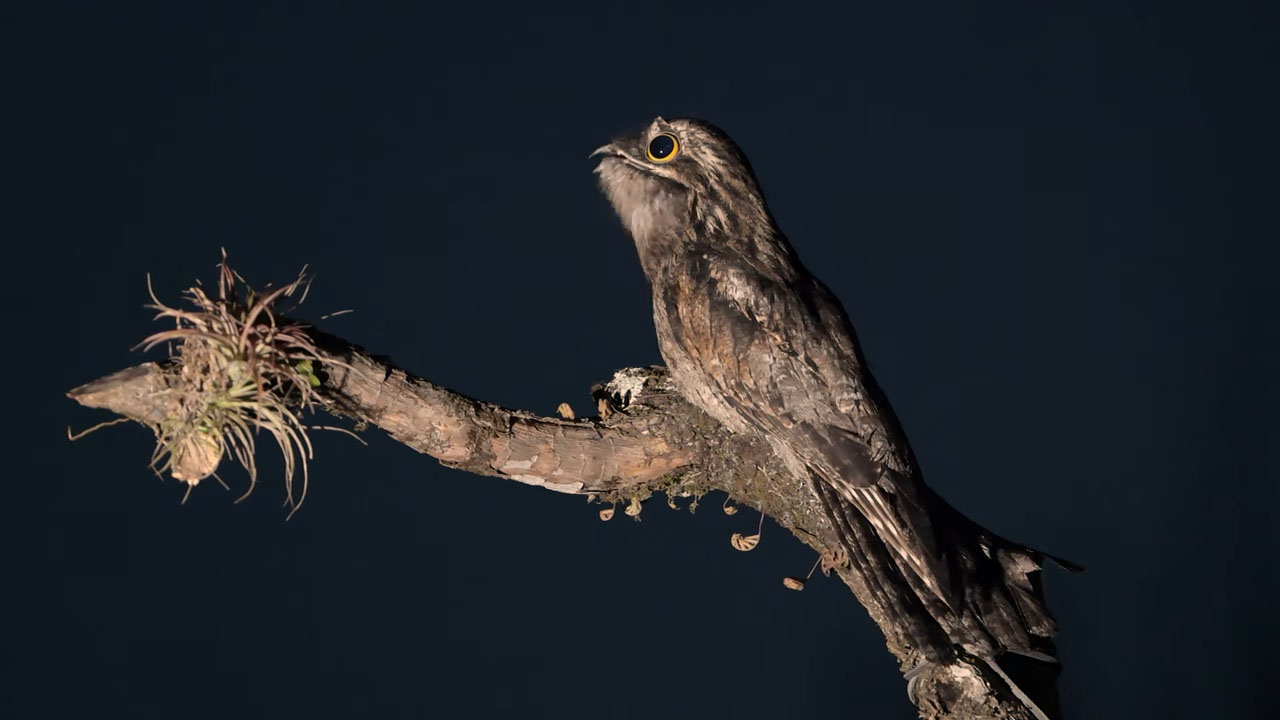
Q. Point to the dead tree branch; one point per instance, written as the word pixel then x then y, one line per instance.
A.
pixel 646 439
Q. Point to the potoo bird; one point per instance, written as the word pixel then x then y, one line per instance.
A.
pixel 752 338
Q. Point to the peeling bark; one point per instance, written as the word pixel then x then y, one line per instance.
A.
pixel 646 439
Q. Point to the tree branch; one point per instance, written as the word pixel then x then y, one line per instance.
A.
pixel 646 439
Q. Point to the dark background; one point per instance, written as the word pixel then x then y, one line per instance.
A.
pixel 1051 227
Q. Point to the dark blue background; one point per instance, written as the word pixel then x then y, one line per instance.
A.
pixel 1052 227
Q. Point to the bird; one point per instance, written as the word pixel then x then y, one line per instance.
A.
pixel 751 337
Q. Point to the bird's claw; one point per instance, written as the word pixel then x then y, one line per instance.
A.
pixel 913 678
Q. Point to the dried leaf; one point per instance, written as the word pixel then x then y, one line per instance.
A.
pixel 727 508
pixel 565 411
pixel 633 508
pixel 745 543
pixel 606 514
pixel 791 583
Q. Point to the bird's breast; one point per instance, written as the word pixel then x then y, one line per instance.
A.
pixel 685 331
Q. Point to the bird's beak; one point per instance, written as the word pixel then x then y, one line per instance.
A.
pixel 608 149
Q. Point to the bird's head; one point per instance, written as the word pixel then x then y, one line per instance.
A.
pixel 680 179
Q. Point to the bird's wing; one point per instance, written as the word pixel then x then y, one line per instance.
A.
pixel 783 356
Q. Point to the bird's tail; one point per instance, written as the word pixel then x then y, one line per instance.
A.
pixel 1001 584
pixel 982 592
pixel 949 586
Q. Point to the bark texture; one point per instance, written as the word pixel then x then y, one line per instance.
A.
pixel 645 439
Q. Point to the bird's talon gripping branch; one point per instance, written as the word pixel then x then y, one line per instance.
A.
pixel 913 678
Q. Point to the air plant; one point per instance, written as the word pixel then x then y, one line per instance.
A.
pixel 240 369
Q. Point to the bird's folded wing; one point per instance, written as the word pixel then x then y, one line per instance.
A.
pixel 777 355
pixel 783 356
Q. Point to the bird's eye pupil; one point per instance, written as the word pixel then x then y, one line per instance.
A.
pixel 662 147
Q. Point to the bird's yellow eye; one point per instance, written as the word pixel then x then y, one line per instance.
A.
pixel 663 148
